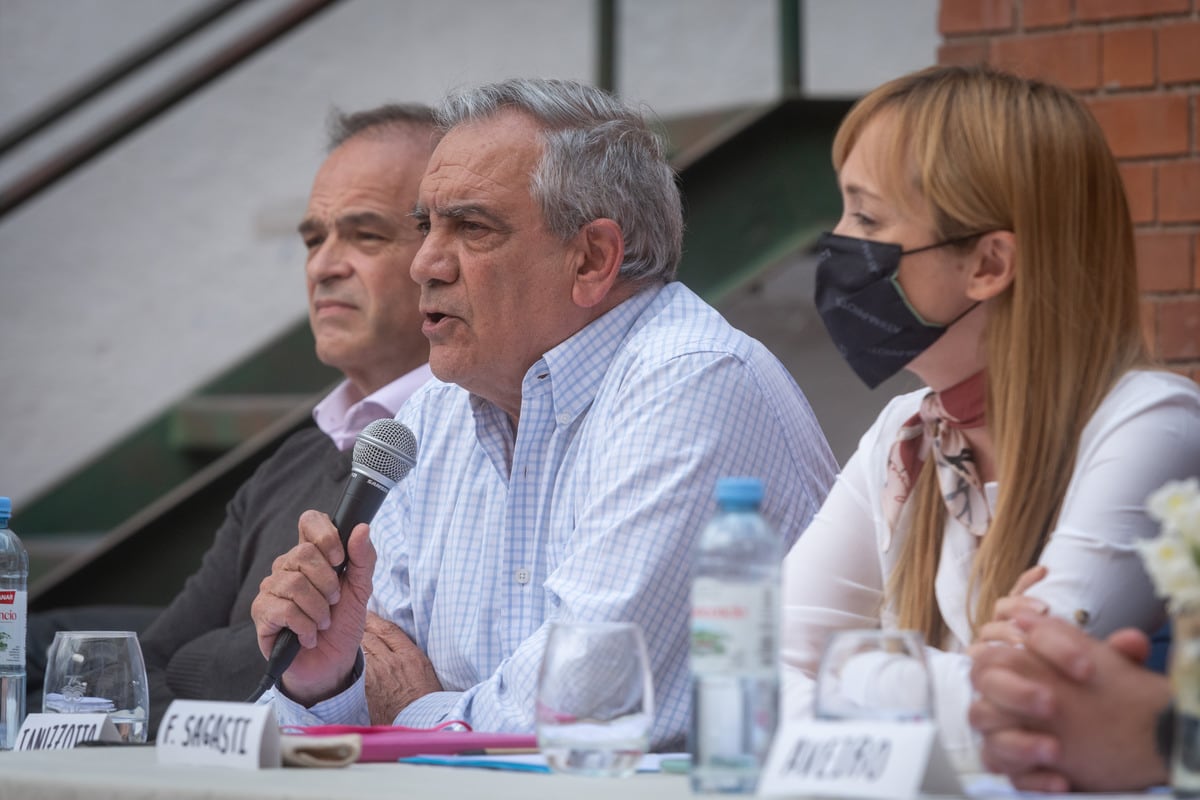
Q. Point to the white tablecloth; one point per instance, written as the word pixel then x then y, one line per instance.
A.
pixel 132 773
pixel 125 773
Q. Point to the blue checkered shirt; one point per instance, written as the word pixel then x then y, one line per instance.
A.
pixel 588 513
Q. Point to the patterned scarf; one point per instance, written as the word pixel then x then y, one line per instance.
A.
pixel 939 425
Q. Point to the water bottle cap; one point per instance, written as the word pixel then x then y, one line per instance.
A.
pixel 5 510
pixel 739 492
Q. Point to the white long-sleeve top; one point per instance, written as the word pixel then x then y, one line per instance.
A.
pixel 1145 432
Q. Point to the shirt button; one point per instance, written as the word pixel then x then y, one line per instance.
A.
pixel 521 576
pixel 564 419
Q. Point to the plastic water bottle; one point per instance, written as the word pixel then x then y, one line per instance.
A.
pixel 14 572
pixel 734 643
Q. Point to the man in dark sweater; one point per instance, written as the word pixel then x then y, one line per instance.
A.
pixel 363 312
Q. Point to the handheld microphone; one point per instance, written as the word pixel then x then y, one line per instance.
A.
pixel 384 453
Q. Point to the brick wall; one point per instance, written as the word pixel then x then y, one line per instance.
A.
pixel 1137 63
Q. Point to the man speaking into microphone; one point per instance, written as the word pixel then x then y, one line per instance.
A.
pixel 586 405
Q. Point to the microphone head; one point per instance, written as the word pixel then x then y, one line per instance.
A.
pixel 386 449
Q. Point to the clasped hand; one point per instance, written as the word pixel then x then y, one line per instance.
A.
pixel 1061 710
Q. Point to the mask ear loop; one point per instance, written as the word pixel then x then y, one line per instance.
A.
pixel 970 308
pixel 895 279
pixel 935 245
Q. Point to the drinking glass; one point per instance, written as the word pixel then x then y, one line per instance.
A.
pixel 595 699
pixel 92 672
pixel 874 674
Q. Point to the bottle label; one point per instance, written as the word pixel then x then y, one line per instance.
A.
pixel 12 628
pixel 733 628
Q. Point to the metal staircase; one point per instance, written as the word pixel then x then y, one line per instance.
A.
pixel 757 186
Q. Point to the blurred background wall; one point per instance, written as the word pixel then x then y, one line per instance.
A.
pixel 173 254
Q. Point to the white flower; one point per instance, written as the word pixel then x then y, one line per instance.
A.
pixel 1171 565
pixel 1171 559
pixel 1177 504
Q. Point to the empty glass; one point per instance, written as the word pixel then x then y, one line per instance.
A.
pixel 595 702
pixel 91 672
pixel 873 674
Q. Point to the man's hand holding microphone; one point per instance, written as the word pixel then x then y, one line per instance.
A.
pixel 311 610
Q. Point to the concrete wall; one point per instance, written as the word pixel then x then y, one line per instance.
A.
pixel 174 254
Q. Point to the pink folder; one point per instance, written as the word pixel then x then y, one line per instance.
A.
pixel 388 743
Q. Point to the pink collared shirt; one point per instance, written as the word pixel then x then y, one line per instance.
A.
pixel 342 420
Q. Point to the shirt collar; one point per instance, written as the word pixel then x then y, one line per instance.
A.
pixel 342 418
pixel 577 366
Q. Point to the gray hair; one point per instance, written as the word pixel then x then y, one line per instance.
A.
pixel 600 160
pixel 399 117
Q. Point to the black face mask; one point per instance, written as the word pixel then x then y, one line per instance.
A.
pixel 865 310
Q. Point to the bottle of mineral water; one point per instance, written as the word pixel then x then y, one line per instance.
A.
pixel 734 643
pixel 14 572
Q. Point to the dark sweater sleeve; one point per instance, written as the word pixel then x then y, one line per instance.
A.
pixel 203 605
pixel 204 645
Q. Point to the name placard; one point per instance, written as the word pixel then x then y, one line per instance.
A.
pixel 64 731
pixel 207 733
pixel 865 759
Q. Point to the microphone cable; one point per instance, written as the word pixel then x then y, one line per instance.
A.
pixel 287 645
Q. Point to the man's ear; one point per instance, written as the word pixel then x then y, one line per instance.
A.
pixel 601 253
pixel 993 265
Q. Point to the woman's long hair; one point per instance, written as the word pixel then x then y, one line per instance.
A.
pixel 991 151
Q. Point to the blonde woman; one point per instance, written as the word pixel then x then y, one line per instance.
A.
pixel 986 246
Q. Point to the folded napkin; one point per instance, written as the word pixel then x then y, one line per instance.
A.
pixel 320 751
